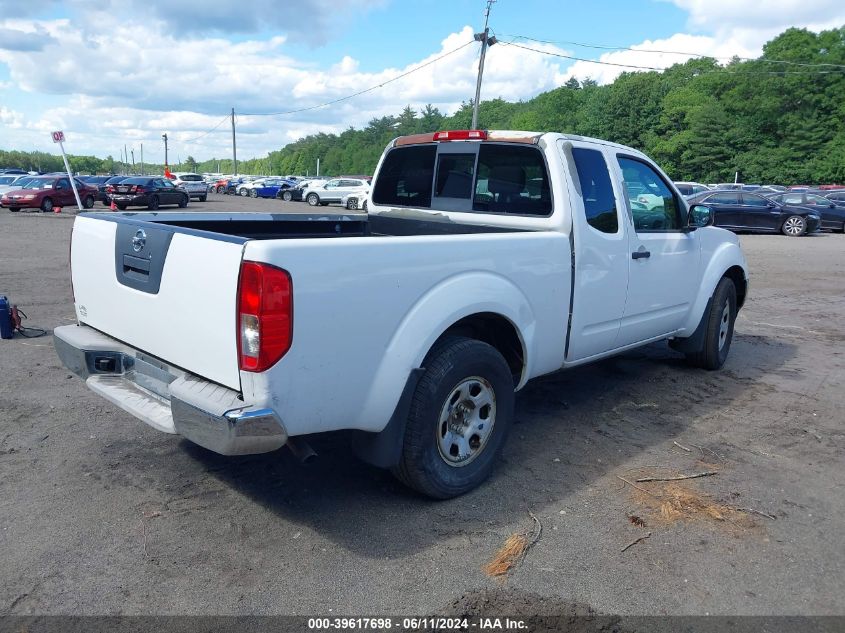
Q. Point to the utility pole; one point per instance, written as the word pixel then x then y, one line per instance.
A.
pixel 126 156
pixel 143 172
pixel 486 41
pixel 133 158
pixel 234 146
pixel 164 136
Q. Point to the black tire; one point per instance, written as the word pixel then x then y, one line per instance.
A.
pixel 454 367
pixel 203 198
pixel 184 202
pixel 364 208
pixel 350 204
pixel 253 193
pixel 88 202
pixel 153 204
pixel 313 199
pixel 221 189
pixel 243 192
pixel 794 226
pixel 120 207
pixel 287 196
pixel 14 209
pixel 719 328
pixel 47 205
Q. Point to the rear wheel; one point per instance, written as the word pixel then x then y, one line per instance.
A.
pixel 221 189
pixel 183 202
pixel 719 329
pixel 313 199
pixel 350 204
pixel 47 205
pixel 459 419
pixel 88 202
pixel 14 209
pixel 287 196
pixel 203 198
pixel 794 226
pixel 253 193
pixel 121 207
pixel 153 204
pixel 243 192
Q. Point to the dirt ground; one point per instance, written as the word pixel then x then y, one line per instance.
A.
pixel 100 514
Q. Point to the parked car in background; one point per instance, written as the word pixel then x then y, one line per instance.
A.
pixel 651 200
pixel 690 188
pixel 743 211
pixel 147 191
pixel 333 190
pixel 271 187
pixel 9 182
pixel 728 185
pixel 831 212
pixel 103 188
pixel 355 201
pixel 48 192
pixel 836 196
pixel 192 183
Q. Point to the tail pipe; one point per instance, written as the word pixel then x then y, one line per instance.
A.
pixel 301 450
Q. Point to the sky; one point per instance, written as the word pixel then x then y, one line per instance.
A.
pixel 115 73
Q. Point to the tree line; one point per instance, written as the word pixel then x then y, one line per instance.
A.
pixel 779 118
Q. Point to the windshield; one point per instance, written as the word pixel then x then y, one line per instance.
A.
pixel 7 180
pixel 39 183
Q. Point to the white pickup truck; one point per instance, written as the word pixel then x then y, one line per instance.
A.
pixel 486 259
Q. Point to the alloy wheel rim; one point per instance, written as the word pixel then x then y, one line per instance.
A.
pixel 466 421
pixel 794 226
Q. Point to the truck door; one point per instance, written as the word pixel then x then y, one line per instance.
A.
pixel 663 260
pixel 600 245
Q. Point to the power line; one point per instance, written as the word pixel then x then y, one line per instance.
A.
pixel 642 50
pixel 360 92
pixel 640 67
pixel 196 138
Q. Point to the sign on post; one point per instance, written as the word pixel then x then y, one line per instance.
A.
pixel 59 137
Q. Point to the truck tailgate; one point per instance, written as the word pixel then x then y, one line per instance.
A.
pixel 166 292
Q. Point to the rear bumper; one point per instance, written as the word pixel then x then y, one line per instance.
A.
pixel 168 398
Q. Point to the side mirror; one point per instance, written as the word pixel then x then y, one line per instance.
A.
pixel 699 217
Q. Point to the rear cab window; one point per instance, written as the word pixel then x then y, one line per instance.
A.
pixel 496 178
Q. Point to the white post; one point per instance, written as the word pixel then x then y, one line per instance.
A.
pixel 70 175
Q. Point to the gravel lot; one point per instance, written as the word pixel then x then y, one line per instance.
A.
pixel 100 514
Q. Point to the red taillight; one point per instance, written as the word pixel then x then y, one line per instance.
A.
pixel 461 135
pixel 139 189
pixel 110 188
pixel 265 315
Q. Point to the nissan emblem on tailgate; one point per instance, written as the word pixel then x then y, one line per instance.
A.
pixel 139 241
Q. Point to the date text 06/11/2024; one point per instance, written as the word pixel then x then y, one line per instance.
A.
pixel 414 624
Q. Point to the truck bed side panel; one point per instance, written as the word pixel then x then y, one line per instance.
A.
pixel 367 309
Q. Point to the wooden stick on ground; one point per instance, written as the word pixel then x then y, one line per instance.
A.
pixel 753 511
pixel 679 477
pixel 632 543
pixel 640 488
pixel 688 450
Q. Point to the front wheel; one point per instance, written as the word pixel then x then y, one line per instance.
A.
pixel 719 328
pixel 794 226
pixel 287 196
pixel 243 192
pixel 203 198
pixel 253 193
pixel 459 419
pixel 221 189
pixel 47 205
pixel 183 202
pixel 153 204
pixel 350 204
pixel 88 202
pixel 313 199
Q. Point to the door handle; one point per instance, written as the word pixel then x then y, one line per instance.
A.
pixel 640 255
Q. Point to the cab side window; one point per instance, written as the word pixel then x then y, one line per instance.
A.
pixel 654 207
pixel 406 176
pixel 512 179
pixel 596 189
